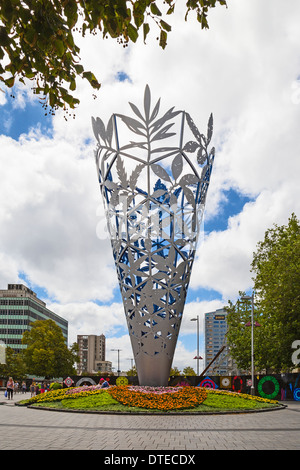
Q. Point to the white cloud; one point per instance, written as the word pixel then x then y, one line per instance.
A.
pixel 90 318
pixel 49 214
pixel 224 258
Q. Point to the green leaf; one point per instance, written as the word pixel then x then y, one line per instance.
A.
pixel 73 85
pixel 165 25
pixel 146 29
pixel 154 9
pixel 52 98
pixel 79 68
pixel 163 39
pixel 71 13
pixel 30 36
pixel 59 47
pixel 9 82
pixel 171 10
pixel 132 32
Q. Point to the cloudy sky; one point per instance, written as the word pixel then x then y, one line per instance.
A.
pixel 246 70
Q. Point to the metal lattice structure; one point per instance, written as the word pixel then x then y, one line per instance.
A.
pixel 154 188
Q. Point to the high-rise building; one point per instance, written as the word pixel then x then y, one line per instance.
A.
pixel 19 308
pixel 215 339
pixel 92 354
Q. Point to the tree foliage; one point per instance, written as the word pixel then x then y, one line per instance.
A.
pixel 276 265
pixel 14 364
pixel 37 38
pixel 175 372
pixel 188 371
pixel 132 372
pixel 46 353
pixel 239 334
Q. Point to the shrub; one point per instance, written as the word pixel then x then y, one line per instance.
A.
pixel 55 386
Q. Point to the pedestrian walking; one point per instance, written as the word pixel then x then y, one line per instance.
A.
pixel 32 389
pixel 23 387
pixel 10 388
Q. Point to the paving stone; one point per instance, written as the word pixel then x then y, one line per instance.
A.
pixel 25 428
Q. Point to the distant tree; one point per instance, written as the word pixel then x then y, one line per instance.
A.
pixel 37 38
pixel 14 364
pixel 239 335
pixel 46 353
pixel 132 372
pixel 276 265
pixel 174 372
pixel 188 371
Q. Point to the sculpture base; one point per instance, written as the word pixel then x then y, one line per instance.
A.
pixel 153 371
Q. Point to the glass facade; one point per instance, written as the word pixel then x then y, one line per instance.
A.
pixel 19 308
pixel 215 331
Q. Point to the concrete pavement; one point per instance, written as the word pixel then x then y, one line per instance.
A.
pixel 25 428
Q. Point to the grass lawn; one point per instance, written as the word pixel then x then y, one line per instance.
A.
pixel 216 401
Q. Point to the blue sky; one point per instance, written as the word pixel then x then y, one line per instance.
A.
pixel 245 70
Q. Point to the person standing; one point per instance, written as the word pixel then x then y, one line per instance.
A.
pixel 10 388
pixel 32 389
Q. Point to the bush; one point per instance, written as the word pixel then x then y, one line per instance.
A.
pixel 55 386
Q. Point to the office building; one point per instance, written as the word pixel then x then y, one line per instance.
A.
pixel 19 308
pixel 215 339
pixel 92 354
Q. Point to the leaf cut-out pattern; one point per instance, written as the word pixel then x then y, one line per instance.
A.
pixel 154 199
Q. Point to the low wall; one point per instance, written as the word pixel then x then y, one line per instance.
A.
pixel 274 386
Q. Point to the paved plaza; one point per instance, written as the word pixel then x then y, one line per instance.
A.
pixel 29 429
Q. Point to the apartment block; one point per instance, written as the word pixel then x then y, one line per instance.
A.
pixel 92 354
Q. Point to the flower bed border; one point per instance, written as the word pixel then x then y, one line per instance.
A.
pixel 158 413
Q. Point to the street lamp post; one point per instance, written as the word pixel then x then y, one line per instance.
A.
pixel 131 361
pixel 251 297
pixel 118 359
pixel 198 356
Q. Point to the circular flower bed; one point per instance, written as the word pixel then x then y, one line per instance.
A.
pixel 160 399
pixel 128 398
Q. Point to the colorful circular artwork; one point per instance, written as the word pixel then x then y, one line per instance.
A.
pixel 208 383
pixel 237 384
pixel 68 381
pixel 297 394
pixel 225 382
pixel 122 381
pixel 271 395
